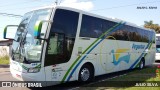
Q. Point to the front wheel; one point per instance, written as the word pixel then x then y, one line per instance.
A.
pixel 85 74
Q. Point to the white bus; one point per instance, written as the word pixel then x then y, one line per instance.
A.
pixel 157 47
pixel 62 44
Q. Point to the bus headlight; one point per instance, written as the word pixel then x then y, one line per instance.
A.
pixel 33 70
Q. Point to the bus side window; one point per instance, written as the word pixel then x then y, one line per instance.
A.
pixel 91 27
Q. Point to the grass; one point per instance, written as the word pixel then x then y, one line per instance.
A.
pixel 146 75
pixel 4 60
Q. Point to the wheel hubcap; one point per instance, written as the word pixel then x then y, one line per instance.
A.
pixel 85 74
pixel 141 66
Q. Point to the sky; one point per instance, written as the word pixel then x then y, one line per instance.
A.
pixel 121 9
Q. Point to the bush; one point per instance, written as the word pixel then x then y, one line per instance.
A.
pixel 4 59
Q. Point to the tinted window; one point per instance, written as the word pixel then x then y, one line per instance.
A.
pixel 120 34
pixel 108 24
pixel 91 27
pixel 62 37
pixel 94 27
pixel 129 33
pixel 138 35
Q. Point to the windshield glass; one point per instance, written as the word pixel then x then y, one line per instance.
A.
pixel 25 48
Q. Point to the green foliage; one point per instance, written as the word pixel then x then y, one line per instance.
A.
pixel 151 25
pixel 4 60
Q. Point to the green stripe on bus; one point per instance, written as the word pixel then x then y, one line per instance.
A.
pixel 137 65
pixel 150 45
pixel 87 49
pixel 24 67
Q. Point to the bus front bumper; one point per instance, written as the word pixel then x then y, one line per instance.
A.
pixel 25 76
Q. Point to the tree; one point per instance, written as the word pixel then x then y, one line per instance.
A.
pixel 151 25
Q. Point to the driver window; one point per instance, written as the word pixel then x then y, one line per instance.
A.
pixel 56 44
pixel 62 37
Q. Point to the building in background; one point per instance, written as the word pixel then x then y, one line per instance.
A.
pixel 5 46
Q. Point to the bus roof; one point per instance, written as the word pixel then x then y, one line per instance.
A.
pixel 94 15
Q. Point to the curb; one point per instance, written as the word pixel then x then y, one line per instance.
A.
pixel 4 66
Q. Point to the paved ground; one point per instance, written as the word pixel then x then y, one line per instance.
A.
pixel 5 75
pixel 4 68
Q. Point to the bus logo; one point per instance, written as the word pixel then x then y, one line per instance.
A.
pixel 136 47
pixel 116 56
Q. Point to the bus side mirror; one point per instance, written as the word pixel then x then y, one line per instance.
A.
pixel 37 29
pixel 9 31
pixel 39 26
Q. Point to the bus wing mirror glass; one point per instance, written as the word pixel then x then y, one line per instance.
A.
pixel 10 31
pixel 39 27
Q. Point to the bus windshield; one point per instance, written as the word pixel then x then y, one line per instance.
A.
pixel 25 48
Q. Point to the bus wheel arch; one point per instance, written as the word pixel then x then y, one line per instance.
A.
pixel 85 70
pixel 142 63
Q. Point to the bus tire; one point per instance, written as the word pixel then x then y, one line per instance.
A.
pixel 86 73
pixel 141 64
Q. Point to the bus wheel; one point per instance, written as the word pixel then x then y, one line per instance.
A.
pixel 85 74
pixel 141 64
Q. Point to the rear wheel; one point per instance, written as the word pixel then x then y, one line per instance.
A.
pixel 85 74
pixel 141 64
